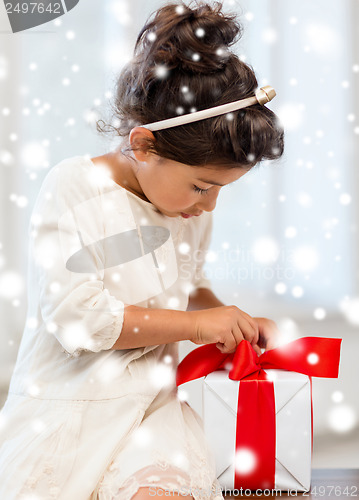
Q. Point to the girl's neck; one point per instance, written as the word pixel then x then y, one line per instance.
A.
pixel 122 171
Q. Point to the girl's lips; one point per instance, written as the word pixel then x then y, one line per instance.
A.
pixel 186 216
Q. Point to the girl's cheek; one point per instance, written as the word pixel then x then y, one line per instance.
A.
pixel 180 199
pixel 187 201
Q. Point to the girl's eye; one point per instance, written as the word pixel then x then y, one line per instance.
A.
pixel 199 190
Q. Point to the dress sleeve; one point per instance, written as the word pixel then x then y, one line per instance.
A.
pixel 66 235
pixel 200 279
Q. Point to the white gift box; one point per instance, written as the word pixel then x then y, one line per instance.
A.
pixel 293 427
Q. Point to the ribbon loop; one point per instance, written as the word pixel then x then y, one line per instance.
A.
pixel 313 356
pixel 245 362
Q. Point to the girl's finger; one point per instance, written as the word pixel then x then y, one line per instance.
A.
pixel 257 349
pixel 254 326
pixel 247 330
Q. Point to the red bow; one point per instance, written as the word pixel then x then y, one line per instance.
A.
pixel 313 356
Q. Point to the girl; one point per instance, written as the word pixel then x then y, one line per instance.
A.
pixel 115 277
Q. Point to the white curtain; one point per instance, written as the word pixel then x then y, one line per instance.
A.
pixel 293 220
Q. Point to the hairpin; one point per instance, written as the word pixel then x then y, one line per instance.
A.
pixel 262 96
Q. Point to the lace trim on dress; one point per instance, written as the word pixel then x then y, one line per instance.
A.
pixel 200 484
pixel 47 476
pixel 170 478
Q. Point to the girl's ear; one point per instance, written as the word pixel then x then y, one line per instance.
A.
pixel 141 139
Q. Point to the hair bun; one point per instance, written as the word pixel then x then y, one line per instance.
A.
pixel 194 40
pixel 145 94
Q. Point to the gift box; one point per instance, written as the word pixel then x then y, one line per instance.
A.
pixel 293 421
pixel 257 410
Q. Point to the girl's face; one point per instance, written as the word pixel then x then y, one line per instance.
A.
pixel 178 190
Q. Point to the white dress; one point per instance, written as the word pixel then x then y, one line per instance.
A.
pixel 82 421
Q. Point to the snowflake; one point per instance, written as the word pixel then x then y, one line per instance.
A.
pixel 313 358
pixel 161 375
pixel 142 437
pixel 337 396
pixel 345 199
pixel 291 115
pixel 245 460
pixel 151 36
pixel 75 334
pixel 269 35
pixel 305 258
pixel 173 303
pixel 70 35
pixel 32 323
pixel 323 40
pixel 6 158
pixel 11 285
pixel 33 155
pixel 38 425
pixel 297 291
pixel 180 9
pixel 319 313
pixel 120 10
pixel 350 309
pixel 265 250
pixel 304 199
pixel 342 418
pixel 280 288
pixel 184 248
pixel 161 71
pixel 182 395
pixel 290 232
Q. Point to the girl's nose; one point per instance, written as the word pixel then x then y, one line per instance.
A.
pixel 209 201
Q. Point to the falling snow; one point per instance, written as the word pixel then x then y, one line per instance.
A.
pixel 265 250
pixel 12 285
pixel 342 418
pixel 350 310
pixel 161 71
pixel 313 358
pixel 319 313
pixel 245 460
pixel 200 32
pixel 305 258
pixel 162 375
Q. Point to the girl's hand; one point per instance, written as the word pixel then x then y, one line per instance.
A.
pixel 226 326
pixel 269 334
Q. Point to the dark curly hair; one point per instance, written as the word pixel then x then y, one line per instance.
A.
pixel 182 63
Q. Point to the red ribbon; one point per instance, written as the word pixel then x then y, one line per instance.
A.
pixel 312 356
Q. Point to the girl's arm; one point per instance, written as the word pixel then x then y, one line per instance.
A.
pixel 143 326
pixel 225 326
